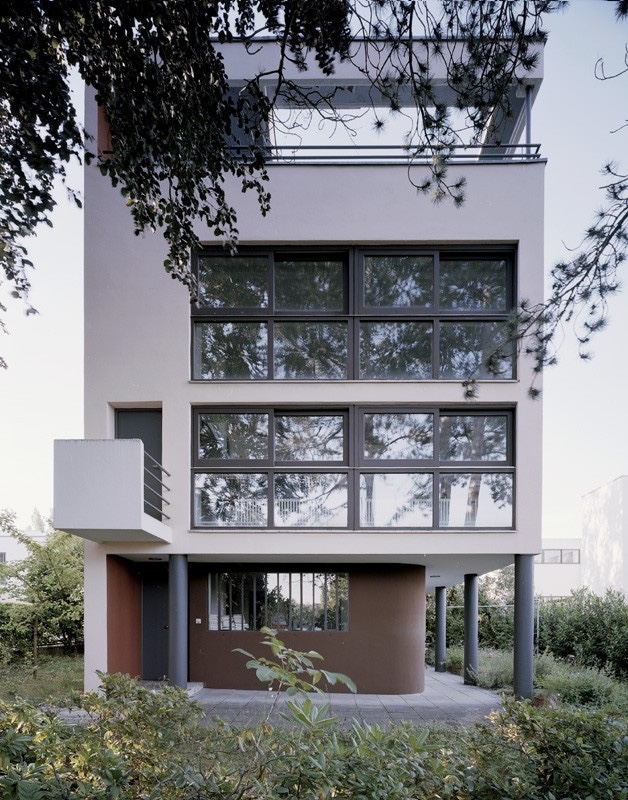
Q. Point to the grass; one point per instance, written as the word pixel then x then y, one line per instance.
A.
pixel 57 680
pixel 554 681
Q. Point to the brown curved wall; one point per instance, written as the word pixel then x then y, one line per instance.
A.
pixel 383 650
pixel 124 614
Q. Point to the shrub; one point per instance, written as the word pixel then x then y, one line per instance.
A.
pixel 526 752
pixel 588 630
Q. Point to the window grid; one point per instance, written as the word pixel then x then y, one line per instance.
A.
pixel 556 555
pixel 264 363
pixel 296 601
pixel 439 477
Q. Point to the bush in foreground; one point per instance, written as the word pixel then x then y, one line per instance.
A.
pixel 140 745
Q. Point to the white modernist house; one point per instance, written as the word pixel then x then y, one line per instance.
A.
pixel 307 418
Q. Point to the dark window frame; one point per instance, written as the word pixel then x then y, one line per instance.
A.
pixel 340 622
pixel 355 309
pixel 355 463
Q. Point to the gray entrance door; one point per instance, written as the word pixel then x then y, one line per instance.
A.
pixel 154 622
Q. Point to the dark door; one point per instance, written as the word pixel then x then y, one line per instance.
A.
pixel 145 424
pixel 154 622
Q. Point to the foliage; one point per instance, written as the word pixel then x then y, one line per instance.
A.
pixel 495 606
pixel 134 743
pixel 58 680
pixel 50 580
pixel 525 752
pixel 179 123
pixel 588 629
pixel 293 671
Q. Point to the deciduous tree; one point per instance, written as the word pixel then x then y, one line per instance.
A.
pixel 179 125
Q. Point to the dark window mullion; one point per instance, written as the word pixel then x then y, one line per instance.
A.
pixel 270 521
pixel 271 283
pixel 271 349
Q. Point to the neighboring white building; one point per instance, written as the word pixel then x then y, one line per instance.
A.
pixel 13 550
pixel 324 469
pixel 605 537
pixel 558 568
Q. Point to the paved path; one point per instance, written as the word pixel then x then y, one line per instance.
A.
pixel 445 699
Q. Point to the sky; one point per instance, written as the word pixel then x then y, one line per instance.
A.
pixel 585 440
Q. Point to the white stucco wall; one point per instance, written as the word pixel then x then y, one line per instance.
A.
pixel 605 537
pixel 558 580
pixel 137 348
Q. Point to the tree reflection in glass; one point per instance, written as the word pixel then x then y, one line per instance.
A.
pixel 233 436
pixel 396 350
pixel 395 500
pixel 477 437
pixel 398 435
pixel 474 284
pixel 475 350
pixel 476 500
pixel 398 281
pixel 310 350
pixel 309 437
pixel 309 285
pixel 230 351
pixel 311 500
pixel 233 282
pixel 231 500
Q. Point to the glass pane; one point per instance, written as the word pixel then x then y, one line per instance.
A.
pixel 230 351
pixel 395 500
pixel 476 500
pixel 474 438
pixel 570 557
pixel 233 281
pixel 396 350
pixel 399 436
pixel 551 556
pixel 278 600
pixel 309 438
pixel 310 350
pixel 233 436
pixel 398 281
pixel 311 500
pixel 475 350
pixel 230 500
pixel 474 284
pixel 309 285
pixel 229 602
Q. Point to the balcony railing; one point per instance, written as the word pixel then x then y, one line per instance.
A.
pixel 398 154
pixel 251 512
pixel 155 488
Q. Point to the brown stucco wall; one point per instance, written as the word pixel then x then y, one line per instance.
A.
pixel 124 604
pixel 383 650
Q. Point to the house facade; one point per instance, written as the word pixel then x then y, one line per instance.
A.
pixel 294 449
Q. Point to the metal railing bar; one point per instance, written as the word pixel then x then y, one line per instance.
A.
pixel 157 464
pixel 157 509
pixel 156 479
pixel 155 492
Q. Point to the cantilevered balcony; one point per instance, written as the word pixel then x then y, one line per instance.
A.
pixel 110 491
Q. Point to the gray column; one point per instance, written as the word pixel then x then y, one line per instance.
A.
pixel 440 633
pixel 470 629
pixel 524 627
pixel 178 621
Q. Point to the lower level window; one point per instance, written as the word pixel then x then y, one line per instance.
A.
pixel 402 467
pixel 296 601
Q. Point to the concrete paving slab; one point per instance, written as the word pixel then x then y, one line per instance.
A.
pixel 446 699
